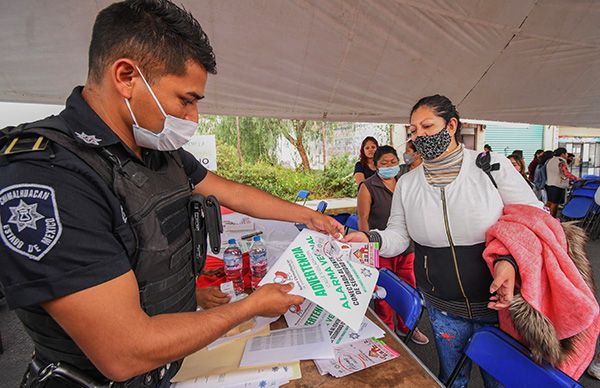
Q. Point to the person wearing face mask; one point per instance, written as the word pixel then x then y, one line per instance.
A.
pixel 373 208
pixel 412 158
pixel 445 206
pixel 96 228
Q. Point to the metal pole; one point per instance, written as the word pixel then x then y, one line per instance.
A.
pixel 324 144
pixel 239 142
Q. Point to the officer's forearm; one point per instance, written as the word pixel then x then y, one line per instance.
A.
pixel 164 338
pixel 252 201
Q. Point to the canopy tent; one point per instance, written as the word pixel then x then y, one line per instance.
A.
pixel 346 60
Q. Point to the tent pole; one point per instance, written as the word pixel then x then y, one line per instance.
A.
pixel 324 145
pixel 239 145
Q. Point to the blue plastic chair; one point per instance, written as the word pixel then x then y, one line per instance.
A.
pixel 581 200
pixel 577 208
pixel 509 362
pixel 302 195
pixel 404 299
pixel 351 223
pixel 342 218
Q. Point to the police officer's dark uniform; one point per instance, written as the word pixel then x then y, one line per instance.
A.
pixel 78 208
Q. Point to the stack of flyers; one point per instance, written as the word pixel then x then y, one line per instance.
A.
pixel 311 314
pixel 356 356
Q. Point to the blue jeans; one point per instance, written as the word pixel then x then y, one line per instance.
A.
pixel 451 335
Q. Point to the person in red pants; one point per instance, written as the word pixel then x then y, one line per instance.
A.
pixel 373 208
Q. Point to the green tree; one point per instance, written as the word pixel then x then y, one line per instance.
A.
pixel 258 135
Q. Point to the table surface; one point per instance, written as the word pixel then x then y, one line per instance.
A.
pixel 404 371
pixel 334 205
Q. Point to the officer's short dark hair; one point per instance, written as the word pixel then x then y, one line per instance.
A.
pixel 156 33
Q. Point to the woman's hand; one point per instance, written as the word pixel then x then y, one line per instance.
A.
pixel 503 285
pixel 355 237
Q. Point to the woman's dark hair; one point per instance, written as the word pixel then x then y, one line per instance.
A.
pixel 157 33
pixel 411 145
pixel 559 151
pixel 538 153
pixel 363 158
pixel 441 107
pixel 383 150
pixel 520 162
pixel 545 157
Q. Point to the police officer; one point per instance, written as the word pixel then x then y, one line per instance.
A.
pixel 96 245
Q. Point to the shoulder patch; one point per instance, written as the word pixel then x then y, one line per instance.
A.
pixel 29 219
pixel 22 144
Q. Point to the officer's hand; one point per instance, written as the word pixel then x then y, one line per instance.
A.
pixel 325 224
pixel 272 300
pixel 356 237
pixel 209 297
pixel 503 285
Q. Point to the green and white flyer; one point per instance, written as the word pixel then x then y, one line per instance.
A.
pixel 311 314
pixel 340 286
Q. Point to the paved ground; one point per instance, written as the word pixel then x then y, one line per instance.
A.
pixel 18 347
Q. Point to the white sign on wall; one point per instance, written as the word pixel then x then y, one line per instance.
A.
pixel 204 148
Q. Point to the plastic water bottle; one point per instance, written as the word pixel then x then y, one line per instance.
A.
pixel 258 261
pixel 232 258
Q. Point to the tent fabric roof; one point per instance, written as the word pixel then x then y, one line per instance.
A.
pixel 346 60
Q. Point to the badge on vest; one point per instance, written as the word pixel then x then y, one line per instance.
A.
pixel 29 219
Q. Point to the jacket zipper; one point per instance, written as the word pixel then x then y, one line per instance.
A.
pixel 462 290
pixel 427 275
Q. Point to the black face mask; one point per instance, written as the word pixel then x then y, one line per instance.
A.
pixel 430 147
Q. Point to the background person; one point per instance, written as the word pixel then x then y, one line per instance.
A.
pixel 374 204
pixel 447 215
pixel 365 167
pixel 518 164
pixel 558 179
pixel 412 158
pixel 533 164
pixel 540 176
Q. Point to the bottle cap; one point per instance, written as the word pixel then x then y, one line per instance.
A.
pixel 256 238
pixel 231 241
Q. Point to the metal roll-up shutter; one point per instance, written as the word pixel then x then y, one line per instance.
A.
pixel 504 138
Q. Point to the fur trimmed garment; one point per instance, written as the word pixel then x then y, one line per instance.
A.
pixel 554 312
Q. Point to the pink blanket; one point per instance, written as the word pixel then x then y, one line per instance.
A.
pixel 550 281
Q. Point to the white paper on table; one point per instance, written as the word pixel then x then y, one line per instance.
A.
pixel 269 375
pixel 356 356
pixel 342 287
pixel 310 314
pixel 287 345
pixel 262 384
pixel 243 225
pixel 260 322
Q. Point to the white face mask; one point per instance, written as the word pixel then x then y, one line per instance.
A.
pixel 175 133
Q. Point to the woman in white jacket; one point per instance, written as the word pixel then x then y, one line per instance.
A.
pixel 445 206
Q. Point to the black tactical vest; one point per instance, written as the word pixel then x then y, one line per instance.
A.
pixel 156 205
